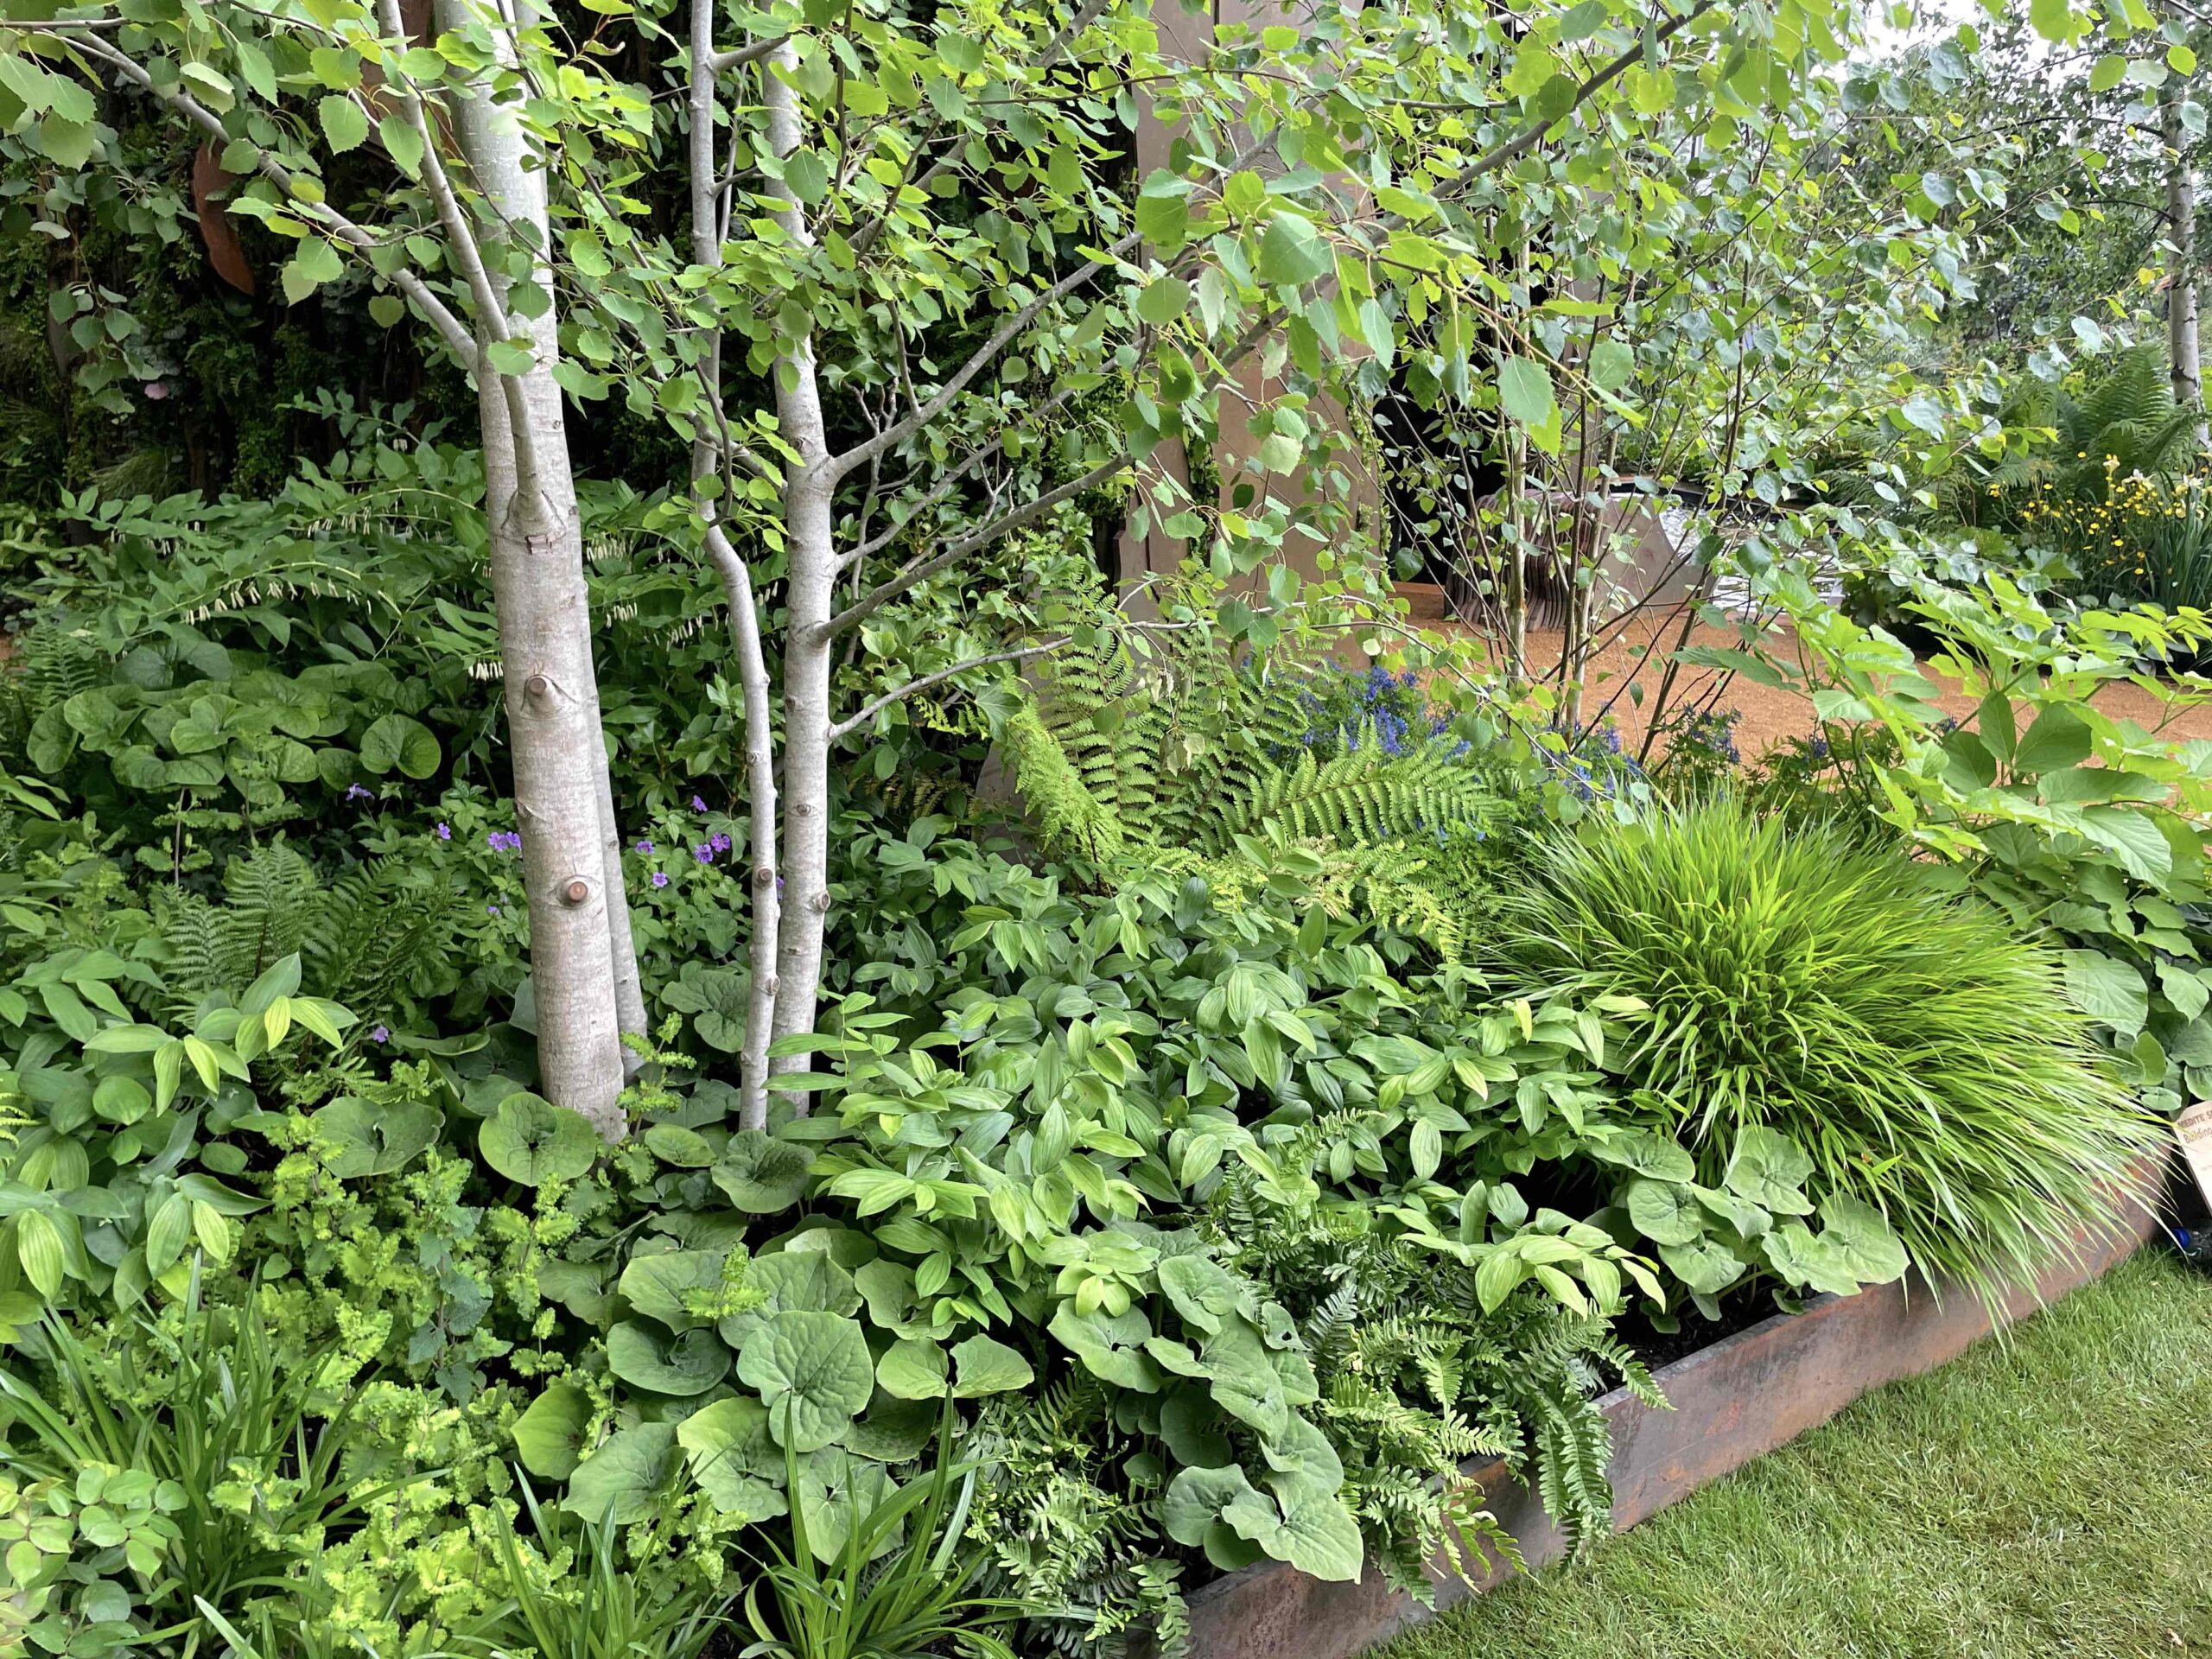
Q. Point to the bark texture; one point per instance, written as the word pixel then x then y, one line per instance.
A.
pixel 564 803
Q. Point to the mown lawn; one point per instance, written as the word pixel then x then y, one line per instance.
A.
pixel 2044 1499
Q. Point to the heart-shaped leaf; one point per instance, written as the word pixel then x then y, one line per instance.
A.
pixel 532 1142
pixel 761 1174
pixel 550 1435
pixel 734 1459
pixel 622 1480
pixel 813 1373
pixel 646 1356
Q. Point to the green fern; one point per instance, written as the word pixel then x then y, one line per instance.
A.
pixel 1180 762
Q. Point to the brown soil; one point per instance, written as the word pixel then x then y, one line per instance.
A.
pixel 1766 714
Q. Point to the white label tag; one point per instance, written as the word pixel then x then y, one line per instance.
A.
pixel 2193 1129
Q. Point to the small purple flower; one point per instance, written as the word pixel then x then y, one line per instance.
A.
pixel 698 806
pixel 644 847
pixel 779 885
pixel 490 910
pixel 660 878
pixel 445 832
pixel 504 841
pixel 704 853
pixel 381 1034
pixel 355 792
pixel 719 842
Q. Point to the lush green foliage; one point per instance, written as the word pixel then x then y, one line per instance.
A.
pixel 1817 1011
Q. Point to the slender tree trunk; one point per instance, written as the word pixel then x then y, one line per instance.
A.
pixel 706 219
pixel 810 598
pixel 562 801
pixel 2181 259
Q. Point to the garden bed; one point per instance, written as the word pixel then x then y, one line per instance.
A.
pixel 1734 1401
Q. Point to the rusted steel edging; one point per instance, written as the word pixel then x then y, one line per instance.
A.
pixel 1734 1402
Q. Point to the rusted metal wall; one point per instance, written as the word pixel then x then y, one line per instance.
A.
pixel 1744 1396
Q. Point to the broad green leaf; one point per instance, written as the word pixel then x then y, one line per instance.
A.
pixel 2108 990
pixel 532 1141
pixel 622 1480
pixel 344 124
pixel 813 1373
pixel 1524 391
pixel 657 1285
pixel 646 1356
pixel 760 1174
pixel 983 1365
pixel 361 1139
pixel 314 263
pixel 736 1459
pixel 913 1368
pixel 1665 1213
pixel 548 1435
pixel 1293 252
pixel 396 741
pixel 837 1492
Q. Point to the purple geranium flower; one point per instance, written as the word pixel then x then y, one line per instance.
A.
pixel 719 842
pixel 704 853
pixel 504 841
pixel 660 878
pixel 445 832
pixel 644 847
pixel 381 1034
pixel 355 792
pixel 698 806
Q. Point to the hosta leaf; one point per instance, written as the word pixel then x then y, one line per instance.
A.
pixel 813 1373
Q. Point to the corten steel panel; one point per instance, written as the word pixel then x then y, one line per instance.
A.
pixel 1744 1396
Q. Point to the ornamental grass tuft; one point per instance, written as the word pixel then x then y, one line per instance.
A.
pixel 1793 975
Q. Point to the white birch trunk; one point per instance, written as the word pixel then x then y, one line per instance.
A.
pixel 811 553
pixel 562 802
pixel 763 876
pixel 2181 259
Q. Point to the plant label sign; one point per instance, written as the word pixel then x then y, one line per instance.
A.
pixel 2193 1129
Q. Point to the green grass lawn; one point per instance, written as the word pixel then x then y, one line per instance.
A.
pixel 2041 1500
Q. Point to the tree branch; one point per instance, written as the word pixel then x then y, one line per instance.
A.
pixel 1006 524
pixel 845 729
pixel 450 327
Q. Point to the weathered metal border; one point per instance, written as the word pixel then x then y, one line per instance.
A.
pixel 1731 1402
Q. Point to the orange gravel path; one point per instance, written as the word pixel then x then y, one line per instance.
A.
pixel 1766 714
